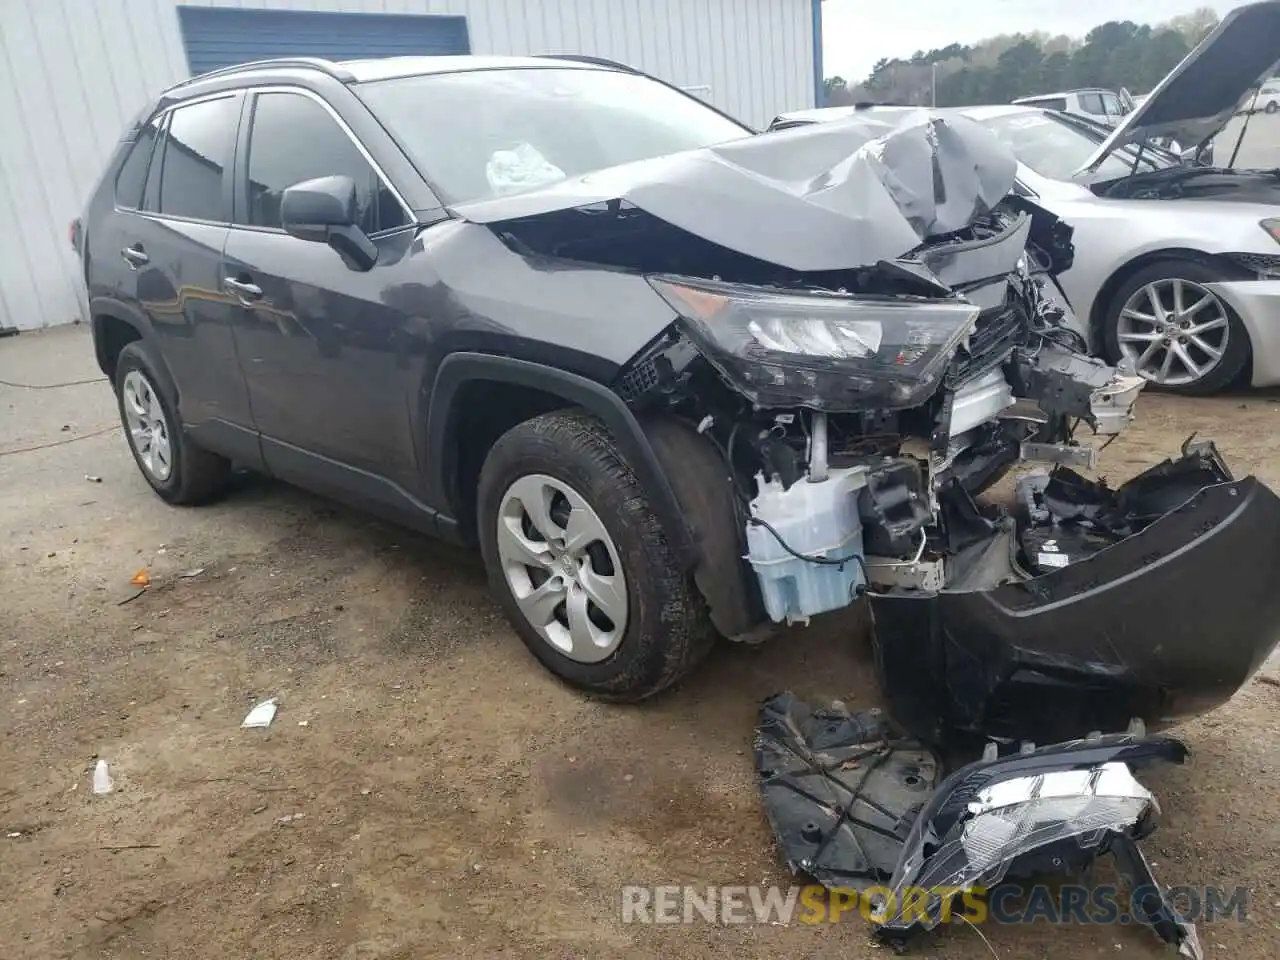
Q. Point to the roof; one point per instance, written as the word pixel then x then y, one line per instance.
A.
pixel 992 111
pixel 385 68
pixel 1064 93
pixel 362 71
pixel 827 114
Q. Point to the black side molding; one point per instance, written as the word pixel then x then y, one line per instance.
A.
pixel 458 369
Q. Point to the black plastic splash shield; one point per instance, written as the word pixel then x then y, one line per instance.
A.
pixel 1163 625
pixel 840 795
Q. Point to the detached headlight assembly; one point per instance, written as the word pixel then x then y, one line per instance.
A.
pixel 823 351
pixel 1056 808
pixel 1010 819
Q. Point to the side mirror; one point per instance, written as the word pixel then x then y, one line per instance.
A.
pixel 324 211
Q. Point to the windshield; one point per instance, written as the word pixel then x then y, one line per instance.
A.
pixel 1056 147
pixel 486 133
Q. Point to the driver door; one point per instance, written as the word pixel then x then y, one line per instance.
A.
pixel 326 360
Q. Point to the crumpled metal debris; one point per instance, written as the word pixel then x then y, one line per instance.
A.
pixel 1070 498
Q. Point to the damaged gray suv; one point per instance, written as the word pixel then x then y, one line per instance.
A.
pixel 673 378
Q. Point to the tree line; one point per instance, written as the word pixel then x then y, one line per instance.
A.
pixel 1115 54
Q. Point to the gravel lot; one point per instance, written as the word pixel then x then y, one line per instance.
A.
pixel 445 793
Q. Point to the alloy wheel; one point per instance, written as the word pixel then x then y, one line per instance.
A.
pixel 1175 331
pixel 563 568
pixel 149 430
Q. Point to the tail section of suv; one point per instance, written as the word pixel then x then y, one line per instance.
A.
pixel 671 377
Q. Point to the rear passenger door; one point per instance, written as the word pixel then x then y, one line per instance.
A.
pixel 170 238
pixel 325 353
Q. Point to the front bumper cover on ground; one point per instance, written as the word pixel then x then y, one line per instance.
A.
pixel 1162 625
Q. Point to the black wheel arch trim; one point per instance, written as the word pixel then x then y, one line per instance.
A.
pixel 101 307
pixel 459 369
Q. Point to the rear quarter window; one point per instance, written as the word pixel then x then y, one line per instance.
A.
pixel 133 173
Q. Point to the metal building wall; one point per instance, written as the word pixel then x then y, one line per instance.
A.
pixel 74 72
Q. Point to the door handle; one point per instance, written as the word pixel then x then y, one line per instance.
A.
pixel 135 256
pixel 243 289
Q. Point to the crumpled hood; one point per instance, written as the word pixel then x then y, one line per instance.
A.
pixel 822 197
pixel 1202 93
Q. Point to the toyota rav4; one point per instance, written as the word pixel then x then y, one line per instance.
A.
pixel 672 377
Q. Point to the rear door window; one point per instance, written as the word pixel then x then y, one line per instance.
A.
pixel 193 157
pixel 1092 103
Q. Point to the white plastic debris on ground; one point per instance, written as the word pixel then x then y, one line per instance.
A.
pixel 523 168
pixel 102 778
pixel 261 715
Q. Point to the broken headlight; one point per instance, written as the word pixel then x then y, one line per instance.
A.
pixel 1011 819
pixel 819 350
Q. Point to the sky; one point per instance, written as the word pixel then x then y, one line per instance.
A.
pixel 857 33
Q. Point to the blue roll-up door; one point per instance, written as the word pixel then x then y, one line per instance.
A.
pixel 217 37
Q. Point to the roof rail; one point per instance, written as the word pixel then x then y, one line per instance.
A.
pixel 583 58
pixel 309 63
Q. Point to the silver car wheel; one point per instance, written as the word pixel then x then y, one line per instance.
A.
pixel 149 429
pixel 562 567
pixel 1175 331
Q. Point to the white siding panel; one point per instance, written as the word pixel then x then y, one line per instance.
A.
pixel 74 72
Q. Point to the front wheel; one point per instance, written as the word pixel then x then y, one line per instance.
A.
pixel 580 563
pixel 1179 334
pixel 1272 106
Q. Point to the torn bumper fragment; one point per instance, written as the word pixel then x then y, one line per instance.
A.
pixel 1156 601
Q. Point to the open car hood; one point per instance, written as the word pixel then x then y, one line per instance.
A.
pixel 1201 94
pixel 820 197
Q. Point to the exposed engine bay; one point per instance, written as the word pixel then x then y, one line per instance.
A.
pixel 1195 183
pixel 834 500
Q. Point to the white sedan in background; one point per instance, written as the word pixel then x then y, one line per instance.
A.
pixel 1177 266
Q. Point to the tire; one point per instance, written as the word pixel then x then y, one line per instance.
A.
pixel 1271 107
pixel 666 629
pixel 1235 353
pixel 194 475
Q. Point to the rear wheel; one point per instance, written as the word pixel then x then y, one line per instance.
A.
pixel 580 563
pixel 1178 333
pixel 177 469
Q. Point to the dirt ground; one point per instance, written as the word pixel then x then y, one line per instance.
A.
pixel 446 795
